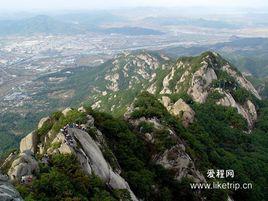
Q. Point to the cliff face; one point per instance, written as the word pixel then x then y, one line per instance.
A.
pixel 72 140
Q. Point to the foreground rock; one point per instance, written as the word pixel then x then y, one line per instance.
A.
pixel 29 142
pixel 24 165
pixel 92 160
pixel 7 191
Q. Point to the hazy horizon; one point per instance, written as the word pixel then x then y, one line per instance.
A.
pixel 29 5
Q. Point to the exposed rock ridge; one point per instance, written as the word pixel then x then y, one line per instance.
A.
pixel 241 80
pixel 175 158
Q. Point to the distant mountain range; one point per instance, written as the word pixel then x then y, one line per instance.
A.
pixel 69 24
pixel 39 24
pixel 200 22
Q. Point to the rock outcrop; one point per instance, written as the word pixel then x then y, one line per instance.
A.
pixel 183 110
pixel 247 110
pixel 87 151
pixel 29 142
pixel 175 158
pixel 43 121
pixel 201 80
pixel 96 162
pixel 243 82
pixel 179 109
pixel 24 165
pixel 7 191
pixel 65 111
pixel 179 162
pixel 8 161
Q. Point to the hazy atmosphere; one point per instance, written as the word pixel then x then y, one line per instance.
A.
pixel 134 100
pixel 105 4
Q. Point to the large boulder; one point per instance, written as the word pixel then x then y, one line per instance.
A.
pixel 166 101
pixel 43 121
pixel 7 191
pixel 179 109
pixel 24 165
pixel 29 142
pixel 65 112
pixel 184 111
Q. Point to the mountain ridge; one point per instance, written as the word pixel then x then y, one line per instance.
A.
pixel 198 77
pixel 195 118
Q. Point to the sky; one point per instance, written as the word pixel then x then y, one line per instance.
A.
pixel 106 4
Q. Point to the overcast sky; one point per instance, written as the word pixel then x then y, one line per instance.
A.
pixel 104 4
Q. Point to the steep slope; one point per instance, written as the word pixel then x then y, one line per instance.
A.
pixel 120 80
pixel 210 75
pixel 194 119
pixel 202 78
pixel 149 155
pixel 73 140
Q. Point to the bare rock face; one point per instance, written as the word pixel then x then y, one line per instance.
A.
pixel 183 110
pixel 166 101
pixel 82 109
pixel 61 146
pixel 179 162
pixel 166 81
pixel 65 112
pixel 29 142
pixel 91 157
pixel 43 121
pixel 248 110
pixel 179 109
pixel 24 165
pixel 200 82
pixel 175 158
pixel 7 191
pixel 241 80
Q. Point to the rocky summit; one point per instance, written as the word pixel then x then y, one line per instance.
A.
pixel 171 122
pixel 201 77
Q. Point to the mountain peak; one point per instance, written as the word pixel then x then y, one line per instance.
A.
pixel 200 78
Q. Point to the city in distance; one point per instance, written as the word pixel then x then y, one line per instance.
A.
pixel 167 92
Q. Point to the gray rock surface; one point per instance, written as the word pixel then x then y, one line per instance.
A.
pixel 29 142
pixel 91 157
pixel 241 80
pixel 179 162
pixel 24 165
pixel 200 83
pixel 65 111
pixel 179 109
pixel 248 110
pixel 184 111
pixel 7 191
